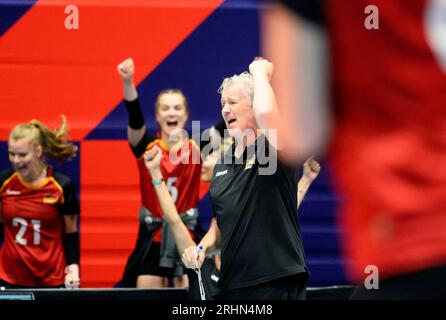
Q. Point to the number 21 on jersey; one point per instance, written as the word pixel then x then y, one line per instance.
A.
pixel 23 224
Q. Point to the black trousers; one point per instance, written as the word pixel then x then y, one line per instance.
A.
pixel 287 288
pixel 425 284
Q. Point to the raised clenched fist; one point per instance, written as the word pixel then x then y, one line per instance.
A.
pixel 126 69
pixel 311 169
pixel 261 65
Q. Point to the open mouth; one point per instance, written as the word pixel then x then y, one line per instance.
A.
pixel 172 123
pixel 230 121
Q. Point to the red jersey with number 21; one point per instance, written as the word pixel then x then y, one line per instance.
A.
pixel 32 253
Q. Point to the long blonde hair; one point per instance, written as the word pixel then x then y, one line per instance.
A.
pixel 55 143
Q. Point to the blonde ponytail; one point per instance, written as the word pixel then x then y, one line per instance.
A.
pixel 55 143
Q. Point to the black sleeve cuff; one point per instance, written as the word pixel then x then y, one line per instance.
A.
pixel 136 118
pixel 72 247
pixel 140 148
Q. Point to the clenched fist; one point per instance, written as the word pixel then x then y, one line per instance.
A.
pixel 311 169
pixel 152 158
pixel 193 257
pixel 261 66
pixel 126 69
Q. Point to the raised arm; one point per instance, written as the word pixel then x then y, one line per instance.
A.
pixel 264 101
pixel 136 127
pixel 311 171
pixel 180 232
pixel 186 246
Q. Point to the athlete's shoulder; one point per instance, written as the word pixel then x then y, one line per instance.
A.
pixel 62 179
pixel 157 142
pixel 5 175
pixel 70 203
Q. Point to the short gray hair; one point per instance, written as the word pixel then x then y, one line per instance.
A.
pixel 244 78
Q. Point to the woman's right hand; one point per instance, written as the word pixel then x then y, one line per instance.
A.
pixel 190 258
pixel 152 158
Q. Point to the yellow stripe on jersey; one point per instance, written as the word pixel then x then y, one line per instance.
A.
pixel 165 147
pixel 50 200
pixel 32 186
pixel 149 146
pixel 58 187
pixel 192 141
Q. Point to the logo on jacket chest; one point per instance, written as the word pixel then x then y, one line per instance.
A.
pixel 250 162
pixel 221 173
pixel 10 192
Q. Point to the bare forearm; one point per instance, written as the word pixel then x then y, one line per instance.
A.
pixel 130 92
pixel 264 103
pixel 167 205
pixel 302 188
pixel 180 232
pixel 266 111
pixel 212 237
pixel 182 236
pixel 264 99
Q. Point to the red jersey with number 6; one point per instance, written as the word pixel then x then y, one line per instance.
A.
pixel 32 253
pixel 182 180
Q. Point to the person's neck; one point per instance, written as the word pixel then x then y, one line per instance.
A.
pixel 177 141
pixel 37 175
pixel 247 141
pixel 166 141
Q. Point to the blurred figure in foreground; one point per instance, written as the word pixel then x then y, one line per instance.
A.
pixel 385 129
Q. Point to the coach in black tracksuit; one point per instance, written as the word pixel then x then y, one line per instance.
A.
pixel 254 201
